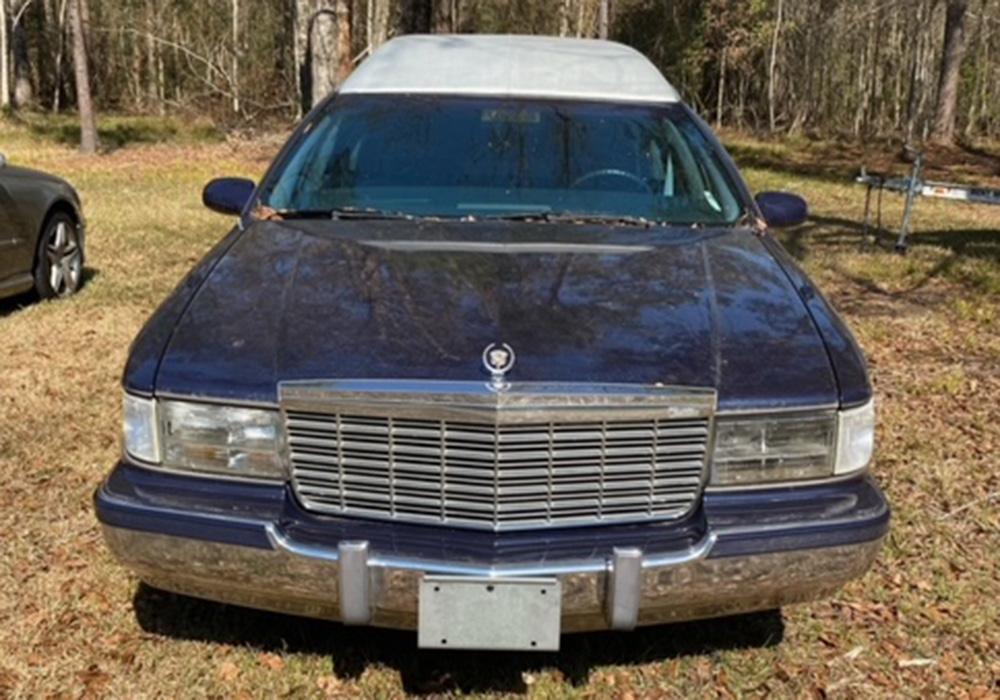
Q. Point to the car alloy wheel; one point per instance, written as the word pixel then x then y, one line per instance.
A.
pixel 60 265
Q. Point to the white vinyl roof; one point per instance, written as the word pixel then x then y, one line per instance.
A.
pixel 511 66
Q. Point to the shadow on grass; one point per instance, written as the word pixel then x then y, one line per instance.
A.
pixel 11 305
pixel 353 649
pixel 833 170
pixel 970 243
pixel 840 161
pixel 118 133
pixel 832 231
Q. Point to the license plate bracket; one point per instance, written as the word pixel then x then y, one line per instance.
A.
pixel 504 614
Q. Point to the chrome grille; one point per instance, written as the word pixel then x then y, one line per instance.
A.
pixel 494 475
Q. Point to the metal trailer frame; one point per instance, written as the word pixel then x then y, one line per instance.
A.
pixel 913 187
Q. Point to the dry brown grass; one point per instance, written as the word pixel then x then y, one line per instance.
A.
pixel 924 622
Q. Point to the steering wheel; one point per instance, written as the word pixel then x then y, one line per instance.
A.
pixel 611 172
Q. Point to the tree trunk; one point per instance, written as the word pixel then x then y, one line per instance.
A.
pixel 377 23
pixel 414 17
pixel 772 68
pixel 57 89
pixel 4 57
pixel 565 9
pixel 24 93
pixel 329 48
pixel 300 53
pixel 951 67
pixel 235 78
pixel 345 56
pixel 88 120
pixel 322 47
pixel 152 59
pixel 604 19
pixel 444 17
pixel 721 96
pixel 323 61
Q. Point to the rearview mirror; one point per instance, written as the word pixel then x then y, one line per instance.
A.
pixel 228 195
pixel 782 209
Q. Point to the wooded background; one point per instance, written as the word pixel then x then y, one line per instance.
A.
pixel 909 68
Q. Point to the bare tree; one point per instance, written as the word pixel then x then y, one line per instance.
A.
pixel 24 93
pixel 951 66
pixel 323 60
pixel 604 19
pixel 4 57
pixel 88 119
pixel 376 24
pixel 235 79
pixel 773 65
pixel 328 46
pixel 414 16
pixel 345 40
pixel 441 17
pixel 564 12
pixel 833 66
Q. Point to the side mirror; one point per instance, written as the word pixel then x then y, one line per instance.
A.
pixel 3 158
pixel 782 209
pixel 228 195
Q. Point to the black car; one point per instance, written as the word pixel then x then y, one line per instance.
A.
pixel 41 234
pixel 500 348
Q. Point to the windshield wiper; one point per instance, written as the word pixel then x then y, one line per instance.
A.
pixel 612 219
pixel 354 213
pixel 343 213
pixel 302 213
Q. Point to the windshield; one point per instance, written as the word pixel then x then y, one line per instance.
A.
pixel 485 158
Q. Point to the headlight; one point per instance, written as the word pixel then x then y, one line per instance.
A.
pixel 223 440
pixel 205 438
pixel 753 450
pixel 140 430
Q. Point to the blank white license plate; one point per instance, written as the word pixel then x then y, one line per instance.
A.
pixel 461 612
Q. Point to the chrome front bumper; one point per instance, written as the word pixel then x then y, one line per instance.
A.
pixel 355 585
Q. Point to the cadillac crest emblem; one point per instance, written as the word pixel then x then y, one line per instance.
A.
pixel 498 358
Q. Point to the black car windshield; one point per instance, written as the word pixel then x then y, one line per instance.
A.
pixel 436 156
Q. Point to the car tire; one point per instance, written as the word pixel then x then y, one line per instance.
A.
pixel 59 266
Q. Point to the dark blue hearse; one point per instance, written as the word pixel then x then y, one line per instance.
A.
pixel 500 349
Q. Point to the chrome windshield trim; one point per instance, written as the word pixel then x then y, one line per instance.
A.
pixel 519 402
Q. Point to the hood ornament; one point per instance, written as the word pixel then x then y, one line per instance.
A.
pixel 498 358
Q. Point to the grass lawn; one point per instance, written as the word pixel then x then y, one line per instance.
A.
pixel 924 622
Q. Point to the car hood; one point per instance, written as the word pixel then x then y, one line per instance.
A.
pixel 16 171
pixel 421 300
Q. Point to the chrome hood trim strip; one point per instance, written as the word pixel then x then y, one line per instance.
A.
pixel 478 402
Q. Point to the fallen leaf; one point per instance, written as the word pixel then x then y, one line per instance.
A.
pixel 271 661
pixel 854 653
pixel 228 671
pixel 327 684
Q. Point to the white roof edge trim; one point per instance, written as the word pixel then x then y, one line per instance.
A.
pixel 511 66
